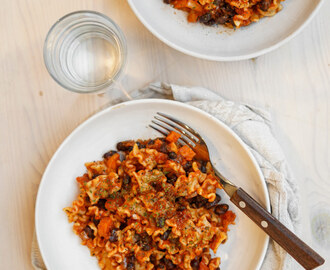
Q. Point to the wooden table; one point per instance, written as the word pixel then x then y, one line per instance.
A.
pixel 36 114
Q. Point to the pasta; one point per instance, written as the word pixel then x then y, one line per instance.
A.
pixel 150 205
pixel 231 13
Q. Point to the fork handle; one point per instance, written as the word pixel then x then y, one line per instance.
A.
pixel 301 252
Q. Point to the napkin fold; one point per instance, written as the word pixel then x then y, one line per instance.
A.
pixel 253 126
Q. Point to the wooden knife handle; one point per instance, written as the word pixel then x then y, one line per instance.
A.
pixel 302 253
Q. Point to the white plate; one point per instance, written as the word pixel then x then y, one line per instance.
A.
pixel 61 248
pixel 219 43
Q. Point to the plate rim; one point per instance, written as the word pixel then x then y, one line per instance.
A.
pixel 132 103
pixel 226 58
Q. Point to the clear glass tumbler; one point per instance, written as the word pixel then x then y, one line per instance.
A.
pixel 85 52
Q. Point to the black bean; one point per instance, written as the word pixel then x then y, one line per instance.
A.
pixel 218 2
pixel 153 259
pixel 87 199
pixel 195 264
pixel 146 238
pixel 171 179
pixel 166 234
pixel 203 167
pixel 166 1
pixel 163 148
pixel 123 226
pixel 151 142
pixel 145 241
pixel 210 22
pixel 131 258
pixel 193 202
pixel 126 181
pixel 140 145
pixel 198 201
pixel 157 186
pixel 265 4
pixel 169 264
pixel 172 155
pixel 215 202
pixel 222 19
pixel 221 209
pixel 113 236
pixel 89 232
pixel 121 146
pixel 146 247
pixel 130 266
pixel 161 266
pixel 109 154
pixel 131 262
pixel 96 221
pixel 179 200
pixel 200 204
pixel 200 198
pixel 205 18
pixel 181 208
pixel 187 167
pixel 161 222
pixel 193 199
pixel 137 238
pixel 229 10
pixel 125 146
pixel 101 203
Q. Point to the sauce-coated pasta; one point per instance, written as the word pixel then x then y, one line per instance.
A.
pixel 150 205
pixel 231 13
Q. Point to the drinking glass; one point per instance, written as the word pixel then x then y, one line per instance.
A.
pixel 85 52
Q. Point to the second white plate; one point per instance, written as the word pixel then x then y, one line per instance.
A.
pixel 220 43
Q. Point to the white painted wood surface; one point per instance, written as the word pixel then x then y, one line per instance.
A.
pixel 36 114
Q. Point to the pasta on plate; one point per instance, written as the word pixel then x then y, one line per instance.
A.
pixel 231 13
pixel 150 205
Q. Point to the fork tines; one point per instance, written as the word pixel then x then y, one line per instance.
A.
pixel 165 124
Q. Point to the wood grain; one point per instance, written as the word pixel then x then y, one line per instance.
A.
pixel 301 252
pixel 36 114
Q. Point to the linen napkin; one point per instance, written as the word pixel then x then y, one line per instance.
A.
pixel 253 126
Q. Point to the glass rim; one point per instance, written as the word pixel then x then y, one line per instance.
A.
pixel 123 44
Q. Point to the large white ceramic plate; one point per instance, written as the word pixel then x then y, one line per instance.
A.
pixel 61 248
pixel 219 43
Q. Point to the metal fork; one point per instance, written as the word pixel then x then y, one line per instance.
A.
pixel 301 252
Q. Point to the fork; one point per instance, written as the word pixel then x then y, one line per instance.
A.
pixel 301 252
